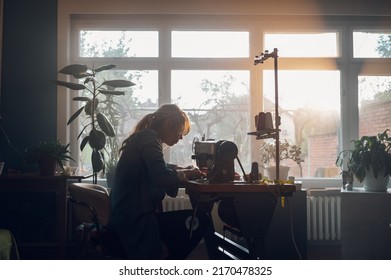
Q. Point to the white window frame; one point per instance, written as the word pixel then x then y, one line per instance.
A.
pixel 348 66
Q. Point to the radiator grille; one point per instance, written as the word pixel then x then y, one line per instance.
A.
pixel 323 217
pixel 180 202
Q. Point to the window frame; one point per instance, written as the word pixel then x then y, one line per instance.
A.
pixel 349 67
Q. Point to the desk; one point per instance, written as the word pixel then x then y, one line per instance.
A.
pixel 34 208
pixel 254 204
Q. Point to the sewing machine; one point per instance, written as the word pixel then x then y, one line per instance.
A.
pixel 216 158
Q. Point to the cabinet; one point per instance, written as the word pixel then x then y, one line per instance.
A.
pixel 34 209
pixel 366 224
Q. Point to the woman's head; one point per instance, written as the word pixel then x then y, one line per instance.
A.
pixel 169 121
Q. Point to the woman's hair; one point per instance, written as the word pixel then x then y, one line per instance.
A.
pixel 155 121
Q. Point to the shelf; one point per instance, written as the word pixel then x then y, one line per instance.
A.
pixel 264 134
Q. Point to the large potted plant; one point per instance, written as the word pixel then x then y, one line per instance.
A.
pixel 94 100
pixel 47 155
pixel 369 160
pixel 286 151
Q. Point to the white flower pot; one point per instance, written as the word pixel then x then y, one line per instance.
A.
pixel 270 172
pixel 373 184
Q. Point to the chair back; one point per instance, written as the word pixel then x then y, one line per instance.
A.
pixel 91 203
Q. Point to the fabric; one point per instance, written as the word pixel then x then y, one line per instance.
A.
pixel 142 178
pixel 8 248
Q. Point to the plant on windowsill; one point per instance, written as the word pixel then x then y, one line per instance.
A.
pixel 98 127
pixel 369 160
pixel 47 154
pixel 286 151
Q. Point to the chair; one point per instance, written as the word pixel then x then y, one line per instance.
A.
pixel 8 247
pixel 92 208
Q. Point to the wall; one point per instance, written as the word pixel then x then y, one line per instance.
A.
pixel 29 64
pixel 29 103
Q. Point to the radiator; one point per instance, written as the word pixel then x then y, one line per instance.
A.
pixel 180 202
pixel 323 217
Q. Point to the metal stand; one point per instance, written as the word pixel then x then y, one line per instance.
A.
pixel 260 59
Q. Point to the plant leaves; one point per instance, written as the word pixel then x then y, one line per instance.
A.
pixel 118 83
pixel 97 139
pixel 111 92
pixel 84 143
pixel 70 85
pixel 90 108
pixel 75 115
pixel 97 161
pixel 105 125
pixel 74 69
pixel 105 67
pixel 82 98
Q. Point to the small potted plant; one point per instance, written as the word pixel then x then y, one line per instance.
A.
pixel 286 151
pixel 47 154
pixel 369 160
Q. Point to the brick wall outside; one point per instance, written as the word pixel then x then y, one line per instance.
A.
pixel 374 118
pixel 322 152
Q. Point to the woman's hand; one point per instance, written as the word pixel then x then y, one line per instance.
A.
pixel 193 174
pixel 189 173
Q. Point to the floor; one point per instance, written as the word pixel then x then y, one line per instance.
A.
pixel 314 252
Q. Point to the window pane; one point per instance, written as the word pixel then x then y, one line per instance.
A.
pixel 303 45
pixel 99 43
pixel 374 104
pixel 371 44
pixel 309 103
pixel 217 103
pixel 210 44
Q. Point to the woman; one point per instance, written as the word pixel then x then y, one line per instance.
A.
pixel 142 180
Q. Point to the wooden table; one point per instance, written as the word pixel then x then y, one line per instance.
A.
pixel 254 205
pixel 20 213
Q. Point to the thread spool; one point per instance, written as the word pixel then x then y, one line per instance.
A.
pixel 261 121
pixel 254 175
pixel 268 121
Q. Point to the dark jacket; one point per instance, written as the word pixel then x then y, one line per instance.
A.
pixel 142 178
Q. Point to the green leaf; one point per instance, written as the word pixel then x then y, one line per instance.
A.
pixel 75 115
pixel 118 83
pixel 105 67
pixel 97 161
pixel 70 85
pixel 84 143
pixel 89 108
pixel 97 139
pixel 111 92
pixel 81 98
pixel 105 125
pixel 74 69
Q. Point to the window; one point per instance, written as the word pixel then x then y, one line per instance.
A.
pixel 374 104
pixel 371 44
pixel 322 44
pixel 210 44
pixel 118 43
pixel 205 64
pixel 309 100
pixel 217 103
